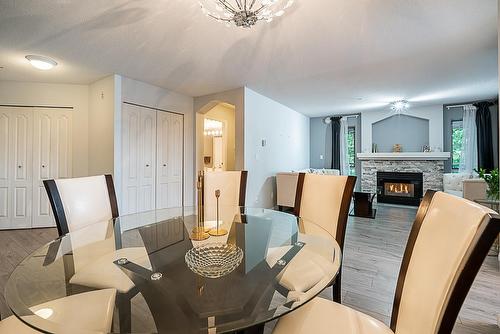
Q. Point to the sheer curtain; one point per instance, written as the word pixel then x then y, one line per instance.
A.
pixel 344 153
pixel 468 158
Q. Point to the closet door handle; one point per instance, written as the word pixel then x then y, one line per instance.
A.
pixel 147 165
pixel 43 166
pixel 164 165
pixel 19 166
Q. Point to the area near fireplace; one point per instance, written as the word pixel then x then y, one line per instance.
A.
pixel 399 188
pixel 430 166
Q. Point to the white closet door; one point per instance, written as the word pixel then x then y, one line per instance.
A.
pixel 16 192
pixel 130 159
pixel 52 157
pixel 148 159
pixel 5 167
pixel 138 159
pixel 170 157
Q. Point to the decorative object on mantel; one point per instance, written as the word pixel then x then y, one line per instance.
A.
pixel 491 180
pixel 399 107
pixel 426 148
pixel 397 148
pixel 374 148
pixel 244 13
pixel 217 232
pixel 404 156
pixel 213 260
pixel 199 232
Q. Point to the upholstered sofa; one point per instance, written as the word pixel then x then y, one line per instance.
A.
pixel 286 184
pixel 464 185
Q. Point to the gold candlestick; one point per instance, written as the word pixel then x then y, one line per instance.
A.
pixel 199 232
pixel 217 232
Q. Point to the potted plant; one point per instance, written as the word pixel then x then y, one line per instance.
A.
pixel 491 180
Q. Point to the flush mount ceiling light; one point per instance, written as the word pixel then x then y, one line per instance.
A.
pixel 400 106
pixel 244 13
pixel 41 62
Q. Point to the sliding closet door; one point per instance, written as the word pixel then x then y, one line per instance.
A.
pixel 16 184
pixel 52 157
pixel 138 159
pixel 170 160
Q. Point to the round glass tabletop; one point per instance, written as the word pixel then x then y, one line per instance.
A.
pixel 143 273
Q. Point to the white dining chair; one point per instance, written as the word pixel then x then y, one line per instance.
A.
pixel 85 207
pixel 324 201
pixel 232 186
pixel 89 311
pixel 448 242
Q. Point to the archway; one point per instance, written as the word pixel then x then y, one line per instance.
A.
pixel 216 137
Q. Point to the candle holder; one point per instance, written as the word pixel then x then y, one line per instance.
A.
pixel 199 232
pixel 217 232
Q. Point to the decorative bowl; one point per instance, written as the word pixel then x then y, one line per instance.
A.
pixel 213 260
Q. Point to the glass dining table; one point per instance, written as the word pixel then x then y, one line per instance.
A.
pixel 164 282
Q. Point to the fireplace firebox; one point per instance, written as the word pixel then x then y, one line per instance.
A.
pixel 399 188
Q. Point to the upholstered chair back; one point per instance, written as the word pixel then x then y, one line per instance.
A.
pixel 80 202
pixel 444 252
pixel 232 186
pixel 324 200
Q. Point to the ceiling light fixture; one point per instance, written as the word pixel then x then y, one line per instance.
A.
pixel 244 13
pixel 400 106
pixel 41 62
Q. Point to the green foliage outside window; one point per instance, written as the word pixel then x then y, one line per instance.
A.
pixel 351 149
pixel 457 132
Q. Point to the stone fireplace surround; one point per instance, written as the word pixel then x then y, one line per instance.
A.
pixel 432 171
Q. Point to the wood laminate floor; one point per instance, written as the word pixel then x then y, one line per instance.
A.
pixel 372 256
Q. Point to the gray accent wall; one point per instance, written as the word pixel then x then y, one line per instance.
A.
pixel 412 133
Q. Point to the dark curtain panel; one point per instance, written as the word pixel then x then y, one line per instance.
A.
pixel 336 143
pixel 484 136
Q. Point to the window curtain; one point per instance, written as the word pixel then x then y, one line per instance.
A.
pixel 344 153
pixel 336 143
pixel 484 136
pixel 468 158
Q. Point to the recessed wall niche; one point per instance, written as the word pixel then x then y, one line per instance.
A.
pixel 412 133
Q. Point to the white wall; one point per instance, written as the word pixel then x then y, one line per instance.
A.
pixel 152 96
pixel 56 95
pixel 286 133
pixel 101 126
pixel 433 113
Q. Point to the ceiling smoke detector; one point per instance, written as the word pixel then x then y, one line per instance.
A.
pixel 400 106
pixel 41 62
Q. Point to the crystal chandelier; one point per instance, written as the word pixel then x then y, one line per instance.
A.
pixel 244 13
pixel 399 107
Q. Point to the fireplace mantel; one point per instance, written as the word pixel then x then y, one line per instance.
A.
pixel 405 156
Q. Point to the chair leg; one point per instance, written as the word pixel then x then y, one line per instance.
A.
pixel 337 289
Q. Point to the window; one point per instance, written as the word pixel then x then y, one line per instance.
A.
pixel 351 149
pixel 457 131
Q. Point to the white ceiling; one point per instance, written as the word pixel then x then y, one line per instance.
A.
pixel 320 57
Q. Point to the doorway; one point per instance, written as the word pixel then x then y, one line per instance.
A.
pixel 216 138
